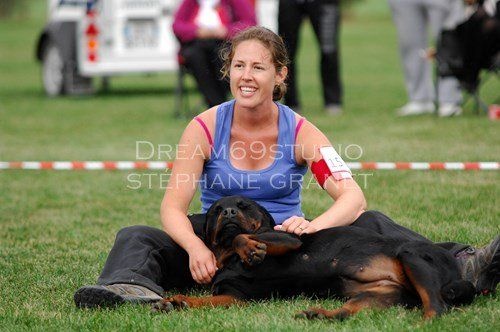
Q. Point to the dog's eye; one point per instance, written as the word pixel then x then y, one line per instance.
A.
pixel 241 205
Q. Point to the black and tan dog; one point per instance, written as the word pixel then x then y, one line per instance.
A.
pixel 256 262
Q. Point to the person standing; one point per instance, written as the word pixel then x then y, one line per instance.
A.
pixel 324 16
pixel 413 20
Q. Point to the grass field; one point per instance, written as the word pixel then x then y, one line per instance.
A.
pixel 56 228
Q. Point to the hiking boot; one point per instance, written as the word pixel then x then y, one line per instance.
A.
pixel 482 266
pixel 113 295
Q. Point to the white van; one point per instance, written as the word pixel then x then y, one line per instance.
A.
pixel 102 38
pixel 85 39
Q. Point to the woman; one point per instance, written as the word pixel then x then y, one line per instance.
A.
pixel 202 26
pixel 253 146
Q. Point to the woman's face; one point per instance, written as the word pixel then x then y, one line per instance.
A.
pixel 253 75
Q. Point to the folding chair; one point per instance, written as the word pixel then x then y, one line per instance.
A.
pixel 181 96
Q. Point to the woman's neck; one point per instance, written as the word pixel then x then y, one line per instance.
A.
pixel 255 118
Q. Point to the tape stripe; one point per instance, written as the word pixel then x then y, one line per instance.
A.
pixel 489 166
pixel 162 165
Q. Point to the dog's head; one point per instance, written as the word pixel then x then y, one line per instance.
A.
pixel 233 215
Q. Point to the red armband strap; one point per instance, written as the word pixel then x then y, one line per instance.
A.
pixel 320 171
pixel 330 164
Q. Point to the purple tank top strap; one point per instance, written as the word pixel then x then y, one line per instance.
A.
pixel 205 128
pixel 297 129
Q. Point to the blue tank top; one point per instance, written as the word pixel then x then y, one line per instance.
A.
pixel 277 187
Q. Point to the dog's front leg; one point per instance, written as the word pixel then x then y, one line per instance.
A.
pixel 278 243
pixel 251 251
pixel 184 302
pixel 252 248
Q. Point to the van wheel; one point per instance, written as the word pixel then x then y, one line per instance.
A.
pixel 61 76
pixel 53 71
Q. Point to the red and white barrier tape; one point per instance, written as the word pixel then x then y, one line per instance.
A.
pixel 161 165
pixel 449 166
pixel 85 165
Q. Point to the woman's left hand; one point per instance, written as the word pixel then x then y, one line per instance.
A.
pixel 296 225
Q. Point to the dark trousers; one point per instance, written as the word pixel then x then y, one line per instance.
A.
pixel 203 60
pixel 148 257
pixel 324 16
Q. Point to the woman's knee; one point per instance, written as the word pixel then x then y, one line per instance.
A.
pixel 370 216
pixel 141 233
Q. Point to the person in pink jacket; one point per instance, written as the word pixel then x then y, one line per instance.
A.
pixel 201 27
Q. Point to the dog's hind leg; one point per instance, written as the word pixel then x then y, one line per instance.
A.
pixel 422 272
pixel 376 297
pixel 183 302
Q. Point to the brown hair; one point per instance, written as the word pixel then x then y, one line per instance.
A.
pixel 270 40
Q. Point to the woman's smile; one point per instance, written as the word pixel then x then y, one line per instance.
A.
pixel 247 91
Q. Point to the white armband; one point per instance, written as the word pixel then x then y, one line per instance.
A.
pixel 337 166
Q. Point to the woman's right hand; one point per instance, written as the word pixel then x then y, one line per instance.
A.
pixel 202 264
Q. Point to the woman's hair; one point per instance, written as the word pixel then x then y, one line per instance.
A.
pixel 270 40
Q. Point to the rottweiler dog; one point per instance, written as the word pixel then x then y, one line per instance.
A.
pixel 369 270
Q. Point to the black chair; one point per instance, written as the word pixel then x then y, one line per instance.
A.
pixel 182 109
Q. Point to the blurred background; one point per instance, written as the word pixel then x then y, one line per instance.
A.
pixel 86 79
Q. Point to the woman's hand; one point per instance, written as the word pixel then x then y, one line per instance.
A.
pixel 296 225
pixel 202 264
pixel 217 33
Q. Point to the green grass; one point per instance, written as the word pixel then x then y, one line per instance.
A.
pixel 56 228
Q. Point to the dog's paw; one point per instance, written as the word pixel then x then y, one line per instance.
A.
pixel 253 253
pixel 311 313
pixel 162 306
pixel 171 303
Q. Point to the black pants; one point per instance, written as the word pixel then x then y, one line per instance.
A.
pixel 203 60
pixel 324 16
pixel 148 257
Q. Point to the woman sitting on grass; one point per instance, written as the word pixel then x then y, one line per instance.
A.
pixel 255 147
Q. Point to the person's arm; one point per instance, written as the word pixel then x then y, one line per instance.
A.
pixel 181 188
pixel 244 16
pixel 184 27
pixel 349 201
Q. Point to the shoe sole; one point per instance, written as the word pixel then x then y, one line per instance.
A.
pixel 450 115
pixel 101 297
pixel 489 282
pixel 403 114
pixel 94 297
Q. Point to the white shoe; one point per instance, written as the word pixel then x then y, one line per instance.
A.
pixel 416 108
pixel 449 109
pixel 333 109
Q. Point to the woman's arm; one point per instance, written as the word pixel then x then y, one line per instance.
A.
pixel 184 27
pixel 193 150
pixel 349 201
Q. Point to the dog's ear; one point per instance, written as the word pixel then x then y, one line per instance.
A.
pixel 211 224
pixel 267 218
